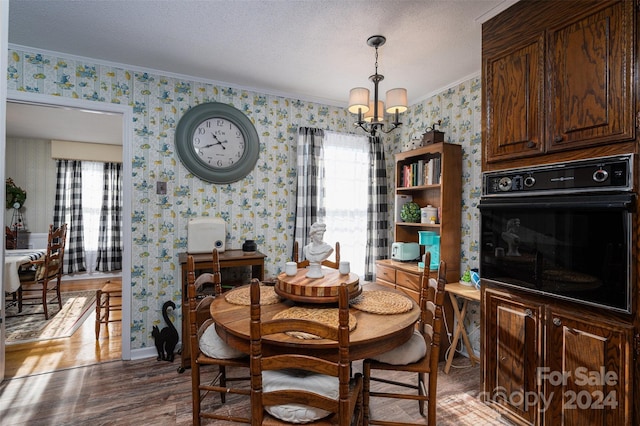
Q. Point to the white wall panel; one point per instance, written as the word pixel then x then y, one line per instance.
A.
pixel 28 162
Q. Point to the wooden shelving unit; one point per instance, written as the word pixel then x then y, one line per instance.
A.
pixel 445 195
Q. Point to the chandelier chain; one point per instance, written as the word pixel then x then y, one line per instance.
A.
pixel 376 59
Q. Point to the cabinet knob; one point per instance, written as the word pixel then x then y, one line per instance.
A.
pixel 531 144
pixel 557 322
pixel 528 313
pixel 558 138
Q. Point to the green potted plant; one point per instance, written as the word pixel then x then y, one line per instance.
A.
pixel 15 195
pixel 410 212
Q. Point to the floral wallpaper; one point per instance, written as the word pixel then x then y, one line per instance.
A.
pixel 460 110
pixel 261 206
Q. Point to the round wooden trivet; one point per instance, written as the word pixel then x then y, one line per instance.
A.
pixel 242 296
pixel 328 316
pixel 382 302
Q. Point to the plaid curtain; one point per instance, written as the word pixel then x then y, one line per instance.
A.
pixel 68 209
pixel 110 236
pixel 309 196
pixel 377 211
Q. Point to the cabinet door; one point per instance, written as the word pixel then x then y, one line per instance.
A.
pixel 591 79
pixel 514 121
pixel 587 377
pixel 512 347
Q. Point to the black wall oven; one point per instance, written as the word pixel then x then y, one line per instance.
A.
pixel 562 230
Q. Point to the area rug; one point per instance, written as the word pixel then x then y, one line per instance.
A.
pixel 30 325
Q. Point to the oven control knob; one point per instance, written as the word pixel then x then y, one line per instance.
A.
pixel 504 184
pixel 600 175
pixel 529 181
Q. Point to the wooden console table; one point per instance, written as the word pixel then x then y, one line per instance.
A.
pixel 204 263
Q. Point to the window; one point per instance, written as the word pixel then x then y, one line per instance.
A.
pixel 81 202
pixel 346 174
pixel 92 183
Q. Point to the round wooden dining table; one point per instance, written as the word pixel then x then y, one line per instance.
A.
pixel 373 335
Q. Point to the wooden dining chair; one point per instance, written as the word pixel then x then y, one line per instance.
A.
pixel 419 355
pixel 10 238
pixel 292 388
pixel 36 283
pixel 328 263
pixel 207 349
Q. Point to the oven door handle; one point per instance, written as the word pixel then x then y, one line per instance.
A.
pixel 592 202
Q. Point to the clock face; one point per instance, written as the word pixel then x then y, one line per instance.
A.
pixel 218 142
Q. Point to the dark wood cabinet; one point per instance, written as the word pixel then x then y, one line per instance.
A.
pixel 513 101
pixel 591 74
pixel 512 350
pixel 594 355
pixel 560 82
pixel 558 76
pixel 548 363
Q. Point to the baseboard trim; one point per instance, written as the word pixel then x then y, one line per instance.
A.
pixel 143 353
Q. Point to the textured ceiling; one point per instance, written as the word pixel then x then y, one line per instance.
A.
pixel 310 49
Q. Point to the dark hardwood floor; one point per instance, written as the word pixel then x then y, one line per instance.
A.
pixel 150 392
pixel 80 381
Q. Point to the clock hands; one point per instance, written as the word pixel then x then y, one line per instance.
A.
pixel 214 144
pixel 219 141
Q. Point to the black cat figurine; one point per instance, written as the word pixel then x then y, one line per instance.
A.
pixel 167 338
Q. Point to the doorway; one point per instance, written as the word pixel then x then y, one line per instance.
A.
pixel 69 108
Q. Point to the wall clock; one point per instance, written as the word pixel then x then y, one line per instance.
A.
pixel 217 142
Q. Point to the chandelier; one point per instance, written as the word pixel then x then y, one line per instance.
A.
pixel 371 113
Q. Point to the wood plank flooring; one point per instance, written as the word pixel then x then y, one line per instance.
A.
pixel 150 392
pixel 78 350
pixel 79 381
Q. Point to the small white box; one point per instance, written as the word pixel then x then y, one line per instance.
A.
pixel 206 233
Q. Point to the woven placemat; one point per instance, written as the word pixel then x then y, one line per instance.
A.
pixel 327 316
pixel 242 296
pixel 382 302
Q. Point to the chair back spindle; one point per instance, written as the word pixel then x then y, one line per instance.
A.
pixel 328 263
pixel 432 296
pixel 201 328
pixel 349 402
pixel 47 276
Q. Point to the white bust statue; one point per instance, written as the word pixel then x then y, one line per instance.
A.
pixel 317 250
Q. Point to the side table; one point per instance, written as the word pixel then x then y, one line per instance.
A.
pixel 465 293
